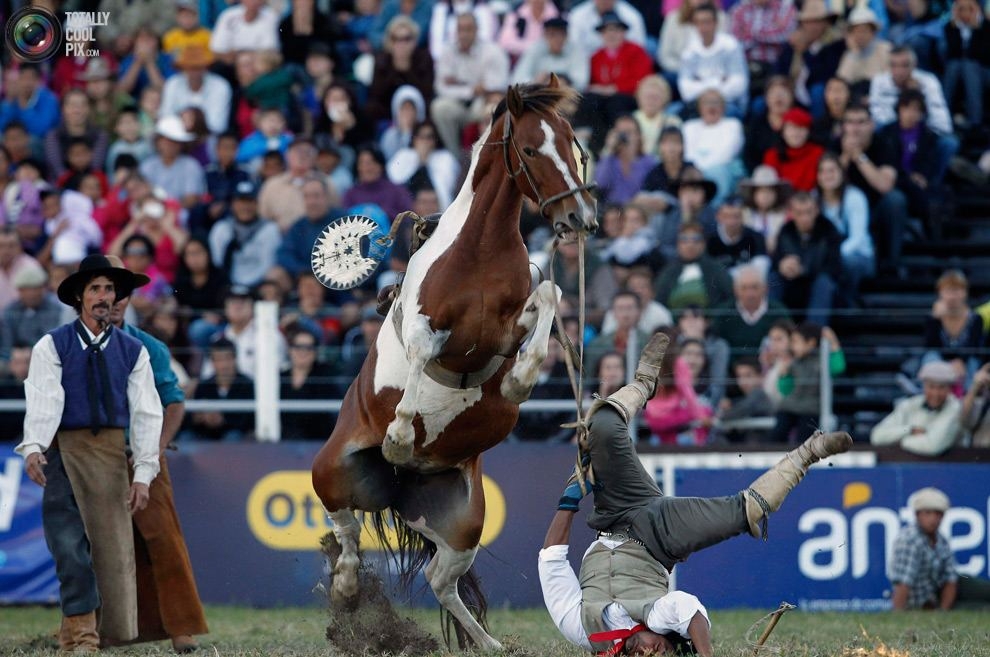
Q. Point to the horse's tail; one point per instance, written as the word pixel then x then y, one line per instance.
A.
pixel 410 554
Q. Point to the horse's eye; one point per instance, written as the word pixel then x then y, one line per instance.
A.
pixel 529 152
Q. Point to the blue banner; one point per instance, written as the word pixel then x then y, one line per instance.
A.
pixel 252 523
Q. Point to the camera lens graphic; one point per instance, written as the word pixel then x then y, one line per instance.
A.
pixel 33 34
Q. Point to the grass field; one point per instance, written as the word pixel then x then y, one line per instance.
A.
pixel 299 632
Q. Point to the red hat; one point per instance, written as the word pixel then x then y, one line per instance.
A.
pixel 798 117
pixel 615 635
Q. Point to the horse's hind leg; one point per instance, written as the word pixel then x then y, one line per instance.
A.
pixel 347 530
pixel 449 510
pixel 422 344
pixel 538 312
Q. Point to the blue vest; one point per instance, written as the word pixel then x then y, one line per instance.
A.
pixel 121 354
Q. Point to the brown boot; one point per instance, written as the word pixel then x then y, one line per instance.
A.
pixel 80 634
pixel 767 493
pixel 633 396
pixel 183 643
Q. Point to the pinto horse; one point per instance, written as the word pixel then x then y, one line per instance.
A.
pixel 443 382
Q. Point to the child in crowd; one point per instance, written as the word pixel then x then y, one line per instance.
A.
pixel 799 385
pixel 796 158
pixel 751 402
pixel 408 109
pixel 764 204
pixel 269 135
pixel 273 86
pixel 149 104
pixel 187 30
pixel 967 66
pixel 694 194
pixel 676 415
pixel 635 241
pixel 129 138
pixel 78 162
pixel 22 205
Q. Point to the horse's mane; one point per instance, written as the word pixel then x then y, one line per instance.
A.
pixel 541 98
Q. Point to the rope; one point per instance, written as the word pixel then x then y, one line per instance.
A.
pixel 575 372
pixel 773 617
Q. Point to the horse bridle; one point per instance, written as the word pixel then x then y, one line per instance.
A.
pixel 508 141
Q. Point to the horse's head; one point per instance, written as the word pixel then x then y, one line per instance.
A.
pixel 539 149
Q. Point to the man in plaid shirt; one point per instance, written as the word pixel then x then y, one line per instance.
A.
pixel 923 570
pixel 763 27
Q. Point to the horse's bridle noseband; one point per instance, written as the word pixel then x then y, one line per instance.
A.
pixel 508 141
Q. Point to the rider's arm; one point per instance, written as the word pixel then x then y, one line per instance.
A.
pixel 561 589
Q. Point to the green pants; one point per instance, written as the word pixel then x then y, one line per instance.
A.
pixel 628 499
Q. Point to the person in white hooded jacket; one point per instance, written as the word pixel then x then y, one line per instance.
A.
pixel 408 109
pixel 426 157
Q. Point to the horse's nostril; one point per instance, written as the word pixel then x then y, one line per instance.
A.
pixel 572 218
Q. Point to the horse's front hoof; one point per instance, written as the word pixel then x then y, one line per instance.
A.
pixel 397 451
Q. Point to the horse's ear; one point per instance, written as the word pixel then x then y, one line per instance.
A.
pixel 514 101
pixel 554 81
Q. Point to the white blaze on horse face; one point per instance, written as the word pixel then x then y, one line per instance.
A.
pixel 549 148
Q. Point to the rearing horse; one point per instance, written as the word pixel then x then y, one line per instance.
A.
pixel 443 383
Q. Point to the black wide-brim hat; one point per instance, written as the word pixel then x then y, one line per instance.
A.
pixel 124 281
pixel 709 187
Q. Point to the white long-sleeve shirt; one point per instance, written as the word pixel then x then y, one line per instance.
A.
pixel 584 19
pixel 708 146
pixel 884 94
pixel 562 596
pixel 484 62
pixel 941 426
pixel 213 98
pixel 233 32
pixel 45 400
pixel 720 65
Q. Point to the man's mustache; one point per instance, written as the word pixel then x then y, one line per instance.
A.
pixel 102 305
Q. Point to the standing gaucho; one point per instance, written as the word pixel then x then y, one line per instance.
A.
pixel 86 384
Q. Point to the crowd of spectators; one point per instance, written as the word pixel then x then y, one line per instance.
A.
pixel 756 161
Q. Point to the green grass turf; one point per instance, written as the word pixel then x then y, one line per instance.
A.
pixel 299 632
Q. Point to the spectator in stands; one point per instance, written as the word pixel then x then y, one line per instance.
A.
pixel 658 195
pixel 745 321
pixel 975 408
pixel 762 27
pixel 599 278
pixel 694 193
pixel 155 218
pixel 764 204
pixel 22 205
pixel 105 101
pixel 138 255
pixel 444 25
pixel 130 16
pixel 372 185
pixel 967 66
pixel 634 245
pixel 953 332
pixel 249 25
pixel 916 148
pixel 296 248
pixel 925 424
pixel 799 383
pixel 870 163
pixel 522 28
pixel 75 124
pixel 195 86
pixel 623 166
pixel 775 356
pixel 30 102
pixel 616 70
pixel 867 55
pixel 653 314
pixel 886 88
pixel 187 31
pixel 72 232
pixel 128 140
pixel 146 67
pixel 763 128
pixel 676 33
pixel 848 210
pixel 812 53
pixel 280 198
pixel 714 143
pixel 399 63
pixel 199 284
pixel 808 260
pixel 734 244
pixel 19 144
pixel 244 244
pixel 226 382
pixel 923 570
pixel 322 314
pixel 554 53
pixel 610 372
pixel 180 176
pixel 694 278
pixel 586 16
pixel 307 378
pixel 795 158
pixel 675 414
pixel 827 128
pixel 358 341
pixel 419 11
pixel 222 177
pixel 302 26
pixel 652 99
pixel 425 162
pixel 467 71
pixel 713 60
pixel 79 166
pixel 149 106
pixel 270 135
pixel 751 402
pixel 239 328
pixel 709 368
pixel 626 309
pixel 921 30
pixel 35 312
pixel 12 387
